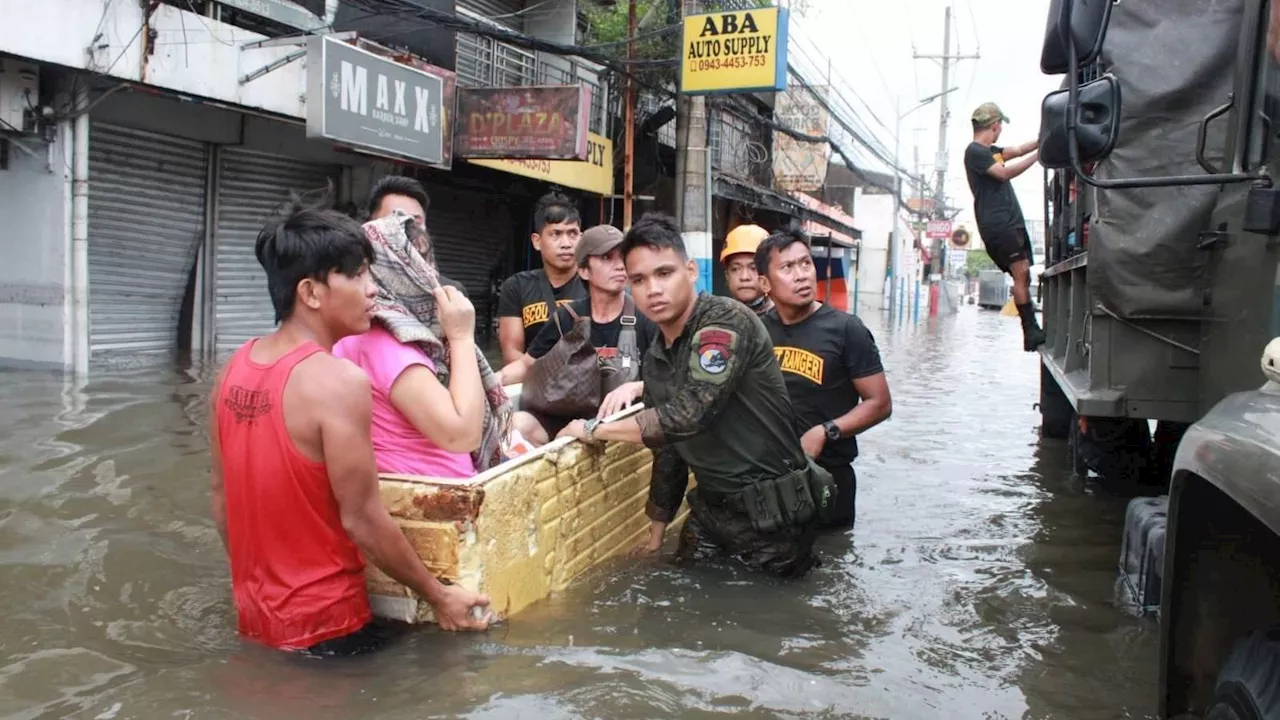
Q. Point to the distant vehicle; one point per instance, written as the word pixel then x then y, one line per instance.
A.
pixel 1160 294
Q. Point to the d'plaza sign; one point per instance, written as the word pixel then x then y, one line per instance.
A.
pixel 734 52
pixel 366 101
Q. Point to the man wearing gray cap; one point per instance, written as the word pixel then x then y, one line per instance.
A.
pixel 1000 221
pixel 619 334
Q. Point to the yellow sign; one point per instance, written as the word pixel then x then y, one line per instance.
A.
pixel 733 52
pixel 595 174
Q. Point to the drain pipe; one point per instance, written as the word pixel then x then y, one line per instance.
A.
pixel 80 237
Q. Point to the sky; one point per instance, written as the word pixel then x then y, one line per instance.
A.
pixel 870 45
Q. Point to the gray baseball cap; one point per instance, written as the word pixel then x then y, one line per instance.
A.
pixel 597 241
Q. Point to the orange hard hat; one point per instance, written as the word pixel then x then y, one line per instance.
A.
pixel 743 239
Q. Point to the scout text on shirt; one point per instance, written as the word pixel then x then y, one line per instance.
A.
pixel 798 361
pixel 535 313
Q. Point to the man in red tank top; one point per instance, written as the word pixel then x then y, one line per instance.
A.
pixel 295 490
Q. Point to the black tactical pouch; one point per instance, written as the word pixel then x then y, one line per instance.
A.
pixel 793 500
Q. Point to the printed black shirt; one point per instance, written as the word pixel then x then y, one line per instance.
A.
pixel 820 357
pixel 604 336
pixel 528 295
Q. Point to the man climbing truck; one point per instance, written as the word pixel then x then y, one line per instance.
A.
pixel 1161 295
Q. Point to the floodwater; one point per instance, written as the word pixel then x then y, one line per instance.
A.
pixel 979 582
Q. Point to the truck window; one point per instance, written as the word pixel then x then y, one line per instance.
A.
pixel 1264 126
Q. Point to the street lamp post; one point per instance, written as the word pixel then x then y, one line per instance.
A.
pixel 894 239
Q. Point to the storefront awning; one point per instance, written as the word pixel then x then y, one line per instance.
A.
pixel 752 194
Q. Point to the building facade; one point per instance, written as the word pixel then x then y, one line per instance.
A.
pixel 157 138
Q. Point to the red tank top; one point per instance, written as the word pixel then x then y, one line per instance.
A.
pixel 297 577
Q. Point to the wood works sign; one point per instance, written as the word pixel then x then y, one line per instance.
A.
pixel 734 52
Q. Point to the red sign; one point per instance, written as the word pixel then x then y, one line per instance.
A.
pixel 548 122
pixel 938 229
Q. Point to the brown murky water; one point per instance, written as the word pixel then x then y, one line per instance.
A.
pixel 979 582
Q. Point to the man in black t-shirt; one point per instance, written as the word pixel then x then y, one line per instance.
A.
pixel 528 299
pixel 999 216
pixel 611 311
pixel 829 361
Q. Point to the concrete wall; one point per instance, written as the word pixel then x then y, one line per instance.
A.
pixel 876 217
pixel 35 204
pixel 190 53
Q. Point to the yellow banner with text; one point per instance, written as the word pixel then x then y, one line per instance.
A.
pixel 594 175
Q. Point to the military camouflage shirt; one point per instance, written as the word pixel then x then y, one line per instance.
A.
pixel 695 416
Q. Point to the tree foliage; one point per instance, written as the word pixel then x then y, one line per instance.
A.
pixel 977 261
pixel 607 25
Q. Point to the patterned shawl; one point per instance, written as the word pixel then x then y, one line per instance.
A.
pixel 406 306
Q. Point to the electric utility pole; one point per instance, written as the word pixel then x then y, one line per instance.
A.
pixel 939 191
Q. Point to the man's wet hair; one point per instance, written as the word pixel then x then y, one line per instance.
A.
pixel 656 231
pixel 308 242
pixel 779 241
pixel 553 209
pixel 396 185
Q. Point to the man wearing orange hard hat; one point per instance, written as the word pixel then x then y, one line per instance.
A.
pixel 739 260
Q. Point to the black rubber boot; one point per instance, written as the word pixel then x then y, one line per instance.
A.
pixel 1032 336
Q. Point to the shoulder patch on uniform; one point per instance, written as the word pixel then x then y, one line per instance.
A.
pixel 714 351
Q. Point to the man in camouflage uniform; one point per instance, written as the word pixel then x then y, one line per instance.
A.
pixel 715 402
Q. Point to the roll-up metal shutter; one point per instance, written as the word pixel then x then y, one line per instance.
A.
pixel 146 224
pixel 470 230
pixel 252 186
pixel 505 12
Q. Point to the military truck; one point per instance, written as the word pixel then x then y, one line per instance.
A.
pixel 1160 296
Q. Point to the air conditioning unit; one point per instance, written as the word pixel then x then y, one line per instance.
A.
pixel 19 95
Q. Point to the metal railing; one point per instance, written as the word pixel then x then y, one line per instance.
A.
pixel 486 62
pixel 740 149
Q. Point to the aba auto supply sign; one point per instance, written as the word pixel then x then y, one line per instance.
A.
pixel 734 52
pixel 369 102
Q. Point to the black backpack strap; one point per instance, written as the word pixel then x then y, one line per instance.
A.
pixel 628 346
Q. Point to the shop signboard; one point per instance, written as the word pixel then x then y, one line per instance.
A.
pixel 800 164
pixel 544 122
pixel 734 52
pixel 938 229
pixel 594 175
pixel 302 15
pixel 373 103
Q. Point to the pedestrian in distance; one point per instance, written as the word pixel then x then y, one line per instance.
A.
pixel 716 404
pixel 295 494
pixel 830 362
pixel 1000 221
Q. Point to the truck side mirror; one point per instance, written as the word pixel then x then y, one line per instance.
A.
pixel 1097 125
pixel 1088 28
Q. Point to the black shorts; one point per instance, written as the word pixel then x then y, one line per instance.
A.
pixel 375 635
pixel 1008 247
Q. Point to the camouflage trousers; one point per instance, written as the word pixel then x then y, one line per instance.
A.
pixel 717 529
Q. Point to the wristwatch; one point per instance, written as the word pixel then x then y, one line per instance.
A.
pixel 589 429
pixel 833 431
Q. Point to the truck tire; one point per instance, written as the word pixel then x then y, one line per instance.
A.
pixel 1248 685
pixel 1055 410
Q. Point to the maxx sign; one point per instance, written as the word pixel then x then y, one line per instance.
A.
pixel 369 102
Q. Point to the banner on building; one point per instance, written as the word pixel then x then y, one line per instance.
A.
pixel 546 122
pixel 734 52
pixel 373 103
pixel 594 175
pixel 798 164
